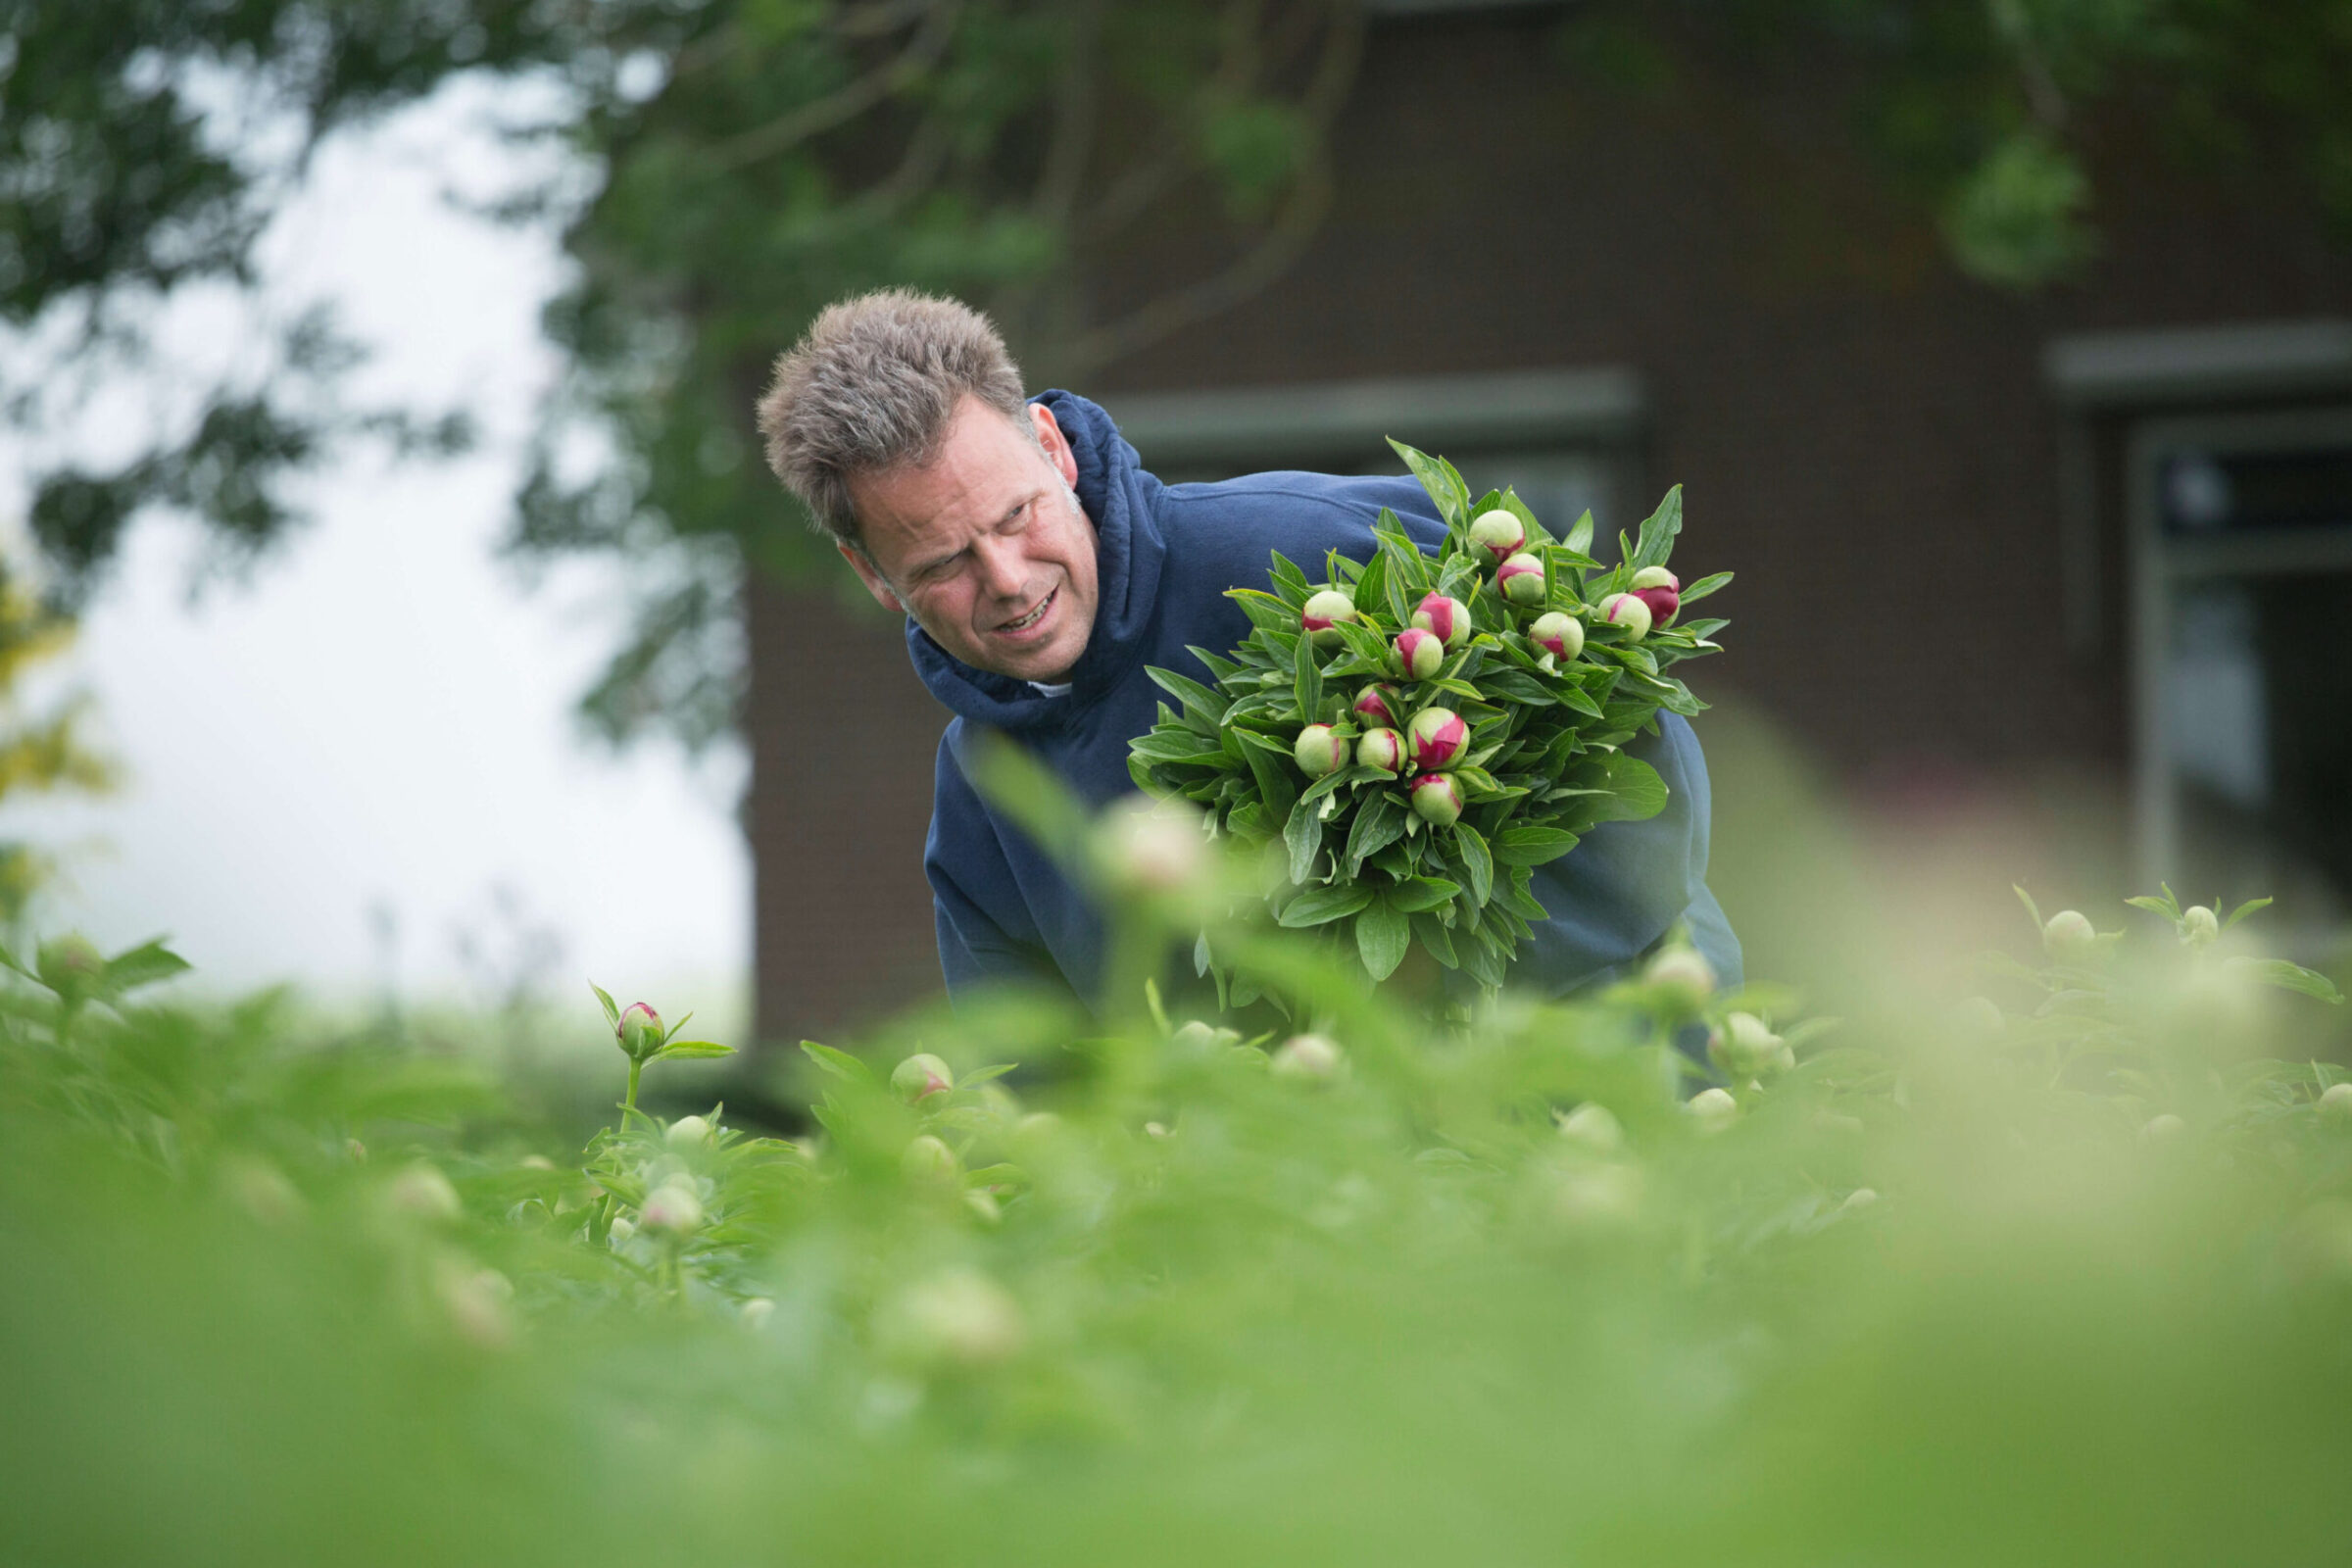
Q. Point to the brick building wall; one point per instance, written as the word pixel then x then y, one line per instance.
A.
pixel 1869 440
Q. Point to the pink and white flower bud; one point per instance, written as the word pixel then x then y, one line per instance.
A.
pixel 2069 936
pixel 1437 737
pixel 1322 616
pixel 1626 611
pixel 1592 1125
pixel 639 1029
pixel 1383 748
pixel 920 1076
pixel 1420 652
pixel 957 1317
pixel 687 1133
pixel 1499 533
pixel 1152 846
pixel 1560 635
pixel 1438 799
pixel 422 1190
pixel 1446 620
pixel 1744 1047
pixel 1319 751
pixel 1681 978
pixel 1378 705
pixel 672 1208
pixel 1310 1057
pixel 2335 1103
pixel 1713 1109
pixel 928 1159
pixel 1662 591
pixel 1520 579
pixel 2199 925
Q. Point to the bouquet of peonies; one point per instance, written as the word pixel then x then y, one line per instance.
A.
pixel 1420 733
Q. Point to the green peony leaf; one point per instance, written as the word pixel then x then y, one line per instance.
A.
pixel 1382 933
pixel 1322 905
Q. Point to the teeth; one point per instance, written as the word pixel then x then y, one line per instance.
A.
pixel 1030 618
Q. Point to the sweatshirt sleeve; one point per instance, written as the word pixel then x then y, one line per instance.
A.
pixel 1612 896
pixel 965 865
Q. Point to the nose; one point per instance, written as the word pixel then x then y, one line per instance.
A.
pixel 1003 568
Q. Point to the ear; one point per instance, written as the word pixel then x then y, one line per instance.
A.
pixel 874 583
pixel 1056 445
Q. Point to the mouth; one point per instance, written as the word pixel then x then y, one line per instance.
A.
pixel 1015 628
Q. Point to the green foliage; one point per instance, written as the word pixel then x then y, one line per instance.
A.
pixel 1927 1287
pixel 1987 117
pixel 1541 764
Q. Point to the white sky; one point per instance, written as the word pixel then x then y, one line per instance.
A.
pixel 383 716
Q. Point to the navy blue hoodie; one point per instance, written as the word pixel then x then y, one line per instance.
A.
pixel 1166 555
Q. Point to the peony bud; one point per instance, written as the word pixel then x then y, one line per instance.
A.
pixel 1322 616
pixel 2199 925
pixel 1657 577
pixel 1196 1037
pixel 1152 846
pixel 1590 1125
pixel 2335 1103
pixel 2162 1129
pixel 1383 748
pixel 1978 1018
pixel 69 965
pixel 919 1075
pixel 1438 799
pixel 1446 620
pixel 1499 533
pixel 1560 635
pixel 1437 737
pixel 1664 604
pixel 1859 1199
pixel 1678 975
pixel 1713 1109
pixel 2069 936
pixel 672 1208
pixel 957 1317
pixel 1744 1047
pixel 687 1132
pixel 928 1159
pixel 1319 751
pixel 755 1312
pixel 639 1030
pixel 1313 1057
pixel 1629 612
pixel 1420 652
pixel 1378 705
pixel 1520 579
pixel 422 1191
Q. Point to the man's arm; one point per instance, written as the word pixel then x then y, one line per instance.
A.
pixel 1621 889
pixel 965 866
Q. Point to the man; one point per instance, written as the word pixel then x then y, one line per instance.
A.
pixel 1042 569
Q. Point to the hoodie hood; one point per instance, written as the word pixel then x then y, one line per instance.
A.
pixel 1118 497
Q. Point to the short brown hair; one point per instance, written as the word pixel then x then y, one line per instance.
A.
pixel 871 388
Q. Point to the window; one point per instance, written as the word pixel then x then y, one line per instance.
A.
pixel 2241 528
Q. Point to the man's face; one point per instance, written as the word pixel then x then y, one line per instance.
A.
pixel 986 546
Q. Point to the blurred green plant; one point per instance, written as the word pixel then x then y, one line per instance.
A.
pixel 41 751
pixel 1935 1286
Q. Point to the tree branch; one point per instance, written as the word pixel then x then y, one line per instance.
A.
pixel 1292 230
pixel 845 103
